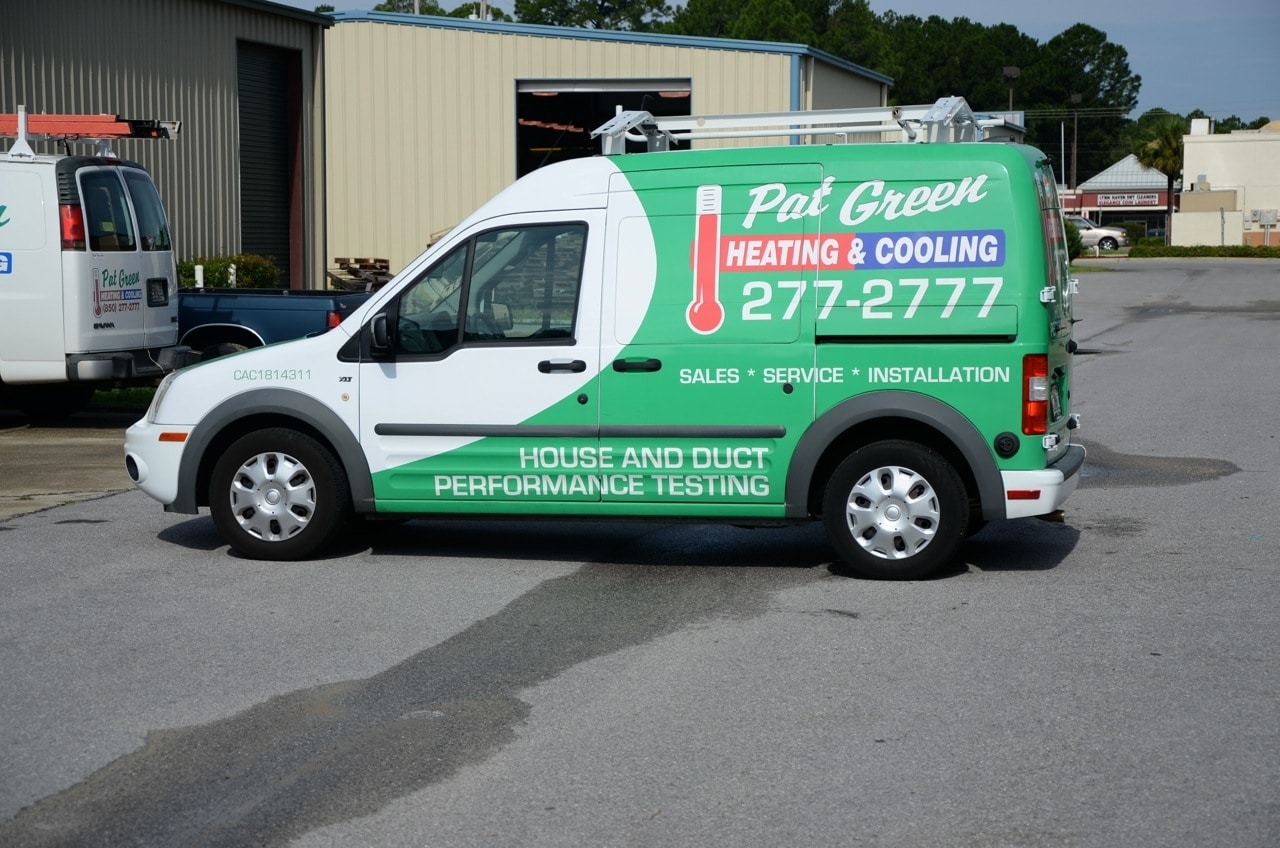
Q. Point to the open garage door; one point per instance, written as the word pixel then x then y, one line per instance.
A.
pixel 554 118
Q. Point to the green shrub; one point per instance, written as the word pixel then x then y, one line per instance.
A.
pixel 1235 251
pixel 1074 245
pixel 252 271
pixel 1135 230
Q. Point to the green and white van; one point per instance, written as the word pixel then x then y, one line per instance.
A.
pixel 874 335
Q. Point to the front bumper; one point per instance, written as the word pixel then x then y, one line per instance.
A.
pixel 153 455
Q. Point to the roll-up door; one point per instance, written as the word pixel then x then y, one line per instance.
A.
pixel 268 84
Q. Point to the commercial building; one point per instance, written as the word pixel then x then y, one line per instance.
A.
pixel 427 117
pixel 1231 187
pixel 245 78
pixel 307 136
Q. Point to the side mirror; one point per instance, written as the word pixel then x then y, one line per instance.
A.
pixel 502 316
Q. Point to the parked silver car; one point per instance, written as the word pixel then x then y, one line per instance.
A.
pixel 1094 235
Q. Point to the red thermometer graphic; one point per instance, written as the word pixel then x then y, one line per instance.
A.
pixel 97 292
pixel 706 313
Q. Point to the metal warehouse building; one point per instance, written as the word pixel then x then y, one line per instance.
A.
pixel 245 78
pixel 428 117
pixel 307 137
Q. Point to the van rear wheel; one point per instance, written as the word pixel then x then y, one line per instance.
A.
pixel 213 351
pixel 50 402
pixel 278 494
pixel 895 510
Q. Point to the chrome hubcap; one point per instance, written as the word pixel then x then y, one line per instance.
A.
pixel 273 496
pixel 892 513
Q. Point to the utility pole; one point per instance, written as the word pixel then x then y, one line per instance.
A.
pixel 1010 74
pixel 1075 135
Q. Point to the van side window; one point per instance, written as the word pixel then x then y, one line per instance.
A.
pixel 153 228
pixel 107 220
pixel 513 285
pixel 525 284
pixel 428 309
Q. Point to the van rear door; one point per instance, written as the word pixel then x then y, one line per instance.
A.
pixel 1059 289
pixel 119 282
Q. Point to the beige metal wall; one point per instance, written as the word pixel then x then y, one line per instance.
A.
pixel 174 60
pixel 420 121
pixel 831 87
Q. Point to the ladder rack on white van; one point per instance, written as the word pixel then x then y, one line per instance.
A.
pixel 90 129
pixel 950 119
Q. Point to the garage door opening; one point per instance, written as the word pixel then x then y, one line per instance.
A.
pixel 554 118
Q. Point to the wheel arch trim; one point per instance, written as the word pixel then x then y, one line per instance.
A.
pixel 284 403
pixel 211 334
pixel 942 417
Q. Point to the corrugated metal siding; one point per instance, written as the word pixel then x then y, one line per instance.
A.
pixel 836 88
pixel 420 121
pixel 169 59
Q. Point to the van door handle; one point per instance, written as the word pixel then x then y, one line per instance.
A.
pixel 637 365
pixel 576 366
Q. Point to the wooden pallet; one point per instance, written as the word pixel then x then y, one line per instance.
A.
pixel 359 274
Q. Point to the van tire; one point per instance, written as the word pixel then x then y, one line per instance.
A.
pixel 895 510
pixel 278 494
pixel 50 402
pixel 213 351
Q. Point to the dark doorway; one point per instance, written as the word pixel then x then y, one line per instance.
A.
pixel 269 87
pixel 554 120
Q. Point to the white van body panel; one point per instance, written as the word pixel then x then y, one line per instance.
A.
pixel 32 347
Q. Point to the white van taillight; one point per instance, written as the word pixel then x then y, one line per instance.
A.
pixel 1035 394
pixel 72 226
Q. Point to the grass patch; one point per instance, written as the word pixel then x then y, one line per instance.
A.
pixel 134 398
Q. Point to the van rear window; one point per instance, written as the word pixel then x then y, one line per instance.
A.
pixel 107 220
pixel 153 227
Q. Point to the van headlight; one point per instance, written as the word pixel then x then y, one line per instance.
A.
pixel 154 409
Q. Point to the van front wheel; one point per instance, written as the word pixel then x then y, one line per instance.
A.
pixel 895 510
pixel 278 494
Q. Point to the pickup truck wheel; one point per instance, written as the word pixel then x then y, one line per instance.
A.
pixel 221 349
pixel 895 510
pixel 278 494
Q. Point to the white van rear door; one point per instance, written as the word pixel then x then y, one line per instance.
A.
pixel 106 286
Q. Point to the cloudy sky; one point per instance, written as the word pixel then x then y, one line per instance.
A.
pixel 1223 58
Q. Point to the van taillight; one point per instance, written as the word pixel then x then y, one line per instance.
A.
pixel 335 319
pixel 1035 394
pixel 72 226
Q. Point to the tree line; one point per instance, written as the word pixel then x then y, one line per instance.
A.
pixel 1075 90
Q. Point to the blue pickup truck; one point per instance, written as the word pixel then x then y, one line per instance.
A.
pixel 216 321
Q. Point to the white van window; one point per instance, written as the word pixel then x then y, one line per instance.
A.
pixel 522 286
pixel 107 220
pixel 153 227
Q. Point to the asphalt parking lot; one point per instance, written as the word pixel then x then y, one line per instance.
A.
pixel 1109 680
pixel 47 465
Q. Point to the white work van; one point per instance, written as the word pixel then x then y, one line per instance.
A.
pixel 88 284
pixel 875 335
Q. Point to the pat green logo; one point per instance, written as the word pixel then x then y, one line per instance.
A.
pixel 3 218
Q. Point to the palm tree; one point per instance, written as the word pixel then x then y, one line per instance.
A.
pixel 1160 148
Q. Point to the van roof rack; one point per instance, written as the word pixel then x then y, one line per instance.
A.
pixel 90 129
pixel 948 120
